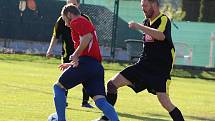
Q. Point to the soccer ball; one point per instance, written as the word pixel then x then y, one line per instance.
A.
pixel 53 117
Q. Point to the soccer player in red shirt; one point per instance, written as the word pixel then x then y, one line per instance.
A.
pixel 63 33
pixel 85 67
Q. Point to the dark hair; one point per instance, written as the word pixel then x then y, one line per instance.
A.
pixel 70 8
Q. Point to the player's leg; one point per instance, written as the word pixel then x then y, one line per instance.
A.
pixel 165 101
pixel 97 91
pixel 69 78
pixel 60 101
pixel 112 86
pixel 162 92
pixel 116 82
pixel 85 100
pixel 65 59
pixel 119 80
pixel 95 88
pixel 130 76
pixel 107 109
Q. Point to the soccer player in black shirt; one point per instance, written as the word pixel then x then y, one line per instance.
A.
pixel 64 32
pixel 152 71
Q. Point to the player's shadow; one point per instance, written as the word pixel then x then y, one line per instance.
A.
pixel 84 110
pixel 131 116
pixel 187 116
pixel 142 118
pixel 35 90
pixel 126 115
pixel 200 118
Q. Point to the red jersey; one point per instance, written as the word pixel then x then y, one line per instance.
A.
pixel 80 27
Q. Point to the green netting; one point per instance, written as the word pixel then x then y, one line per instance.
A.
pixel 194 35
pixel 128 10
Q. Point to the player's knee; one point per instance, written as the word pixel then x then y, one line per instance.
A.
pixel 58 86
pixel 55 87
pixel 111 88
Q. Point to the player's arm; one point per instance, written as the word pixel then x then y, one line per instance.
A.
pixel 57 32
pixel 158 33
pixel 84 42
pixel 155 33
pixel 51 45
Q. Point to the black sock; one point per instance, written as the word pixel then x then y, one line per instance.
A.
pixel 85 96
pixel 111 98
pixel 66 93
pixel 176 115
pixel 104 118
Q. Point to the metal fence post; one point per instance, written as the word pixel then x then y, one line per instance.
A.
pixel 114 28
pixel 211 50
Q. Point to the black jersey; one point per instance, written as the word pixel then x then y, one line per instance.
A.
pixel 64 33
pixel 157 55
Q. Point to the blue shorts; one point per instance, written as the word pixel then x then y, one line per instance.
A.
pixel 89 73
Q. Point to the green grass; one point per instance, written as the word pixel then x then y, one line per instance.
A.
pixel 26 94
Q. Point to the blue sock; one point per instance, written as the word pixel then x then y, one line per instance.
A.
pixel 60 102
pixel 107 109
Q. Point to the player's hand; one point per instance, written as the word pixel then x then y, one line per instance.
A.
pixel 49 54
pixel 133 25
pixel 64 66
pixel 73 57
pixel 75 63
pixel 74 60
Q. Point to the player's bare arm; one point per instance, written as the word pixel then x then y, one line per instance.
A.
pixel 84 42
pixel 156 34
pixel 51 45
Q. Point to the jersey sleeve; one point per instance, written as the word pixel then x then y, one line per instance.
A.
pixel 162 26
pixel 83 27
pixel 165 27
pixel 57 32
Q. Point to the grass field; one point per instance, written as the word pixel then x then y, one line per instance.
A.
pixel 26 94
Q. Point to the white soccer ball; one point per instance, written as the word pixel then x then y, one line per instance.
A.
pixel 53 117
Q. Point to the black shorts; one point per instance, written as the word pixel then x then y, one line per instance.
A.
pixel 143 78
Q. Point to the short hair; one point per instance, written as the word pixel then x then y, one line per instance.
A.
pixel 155 1
pixel 78 1
pixel 70 8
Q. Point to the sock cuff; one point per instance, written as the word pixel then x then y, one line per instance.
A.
pixel 100 102
pixel 56 86
pixel 174 110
